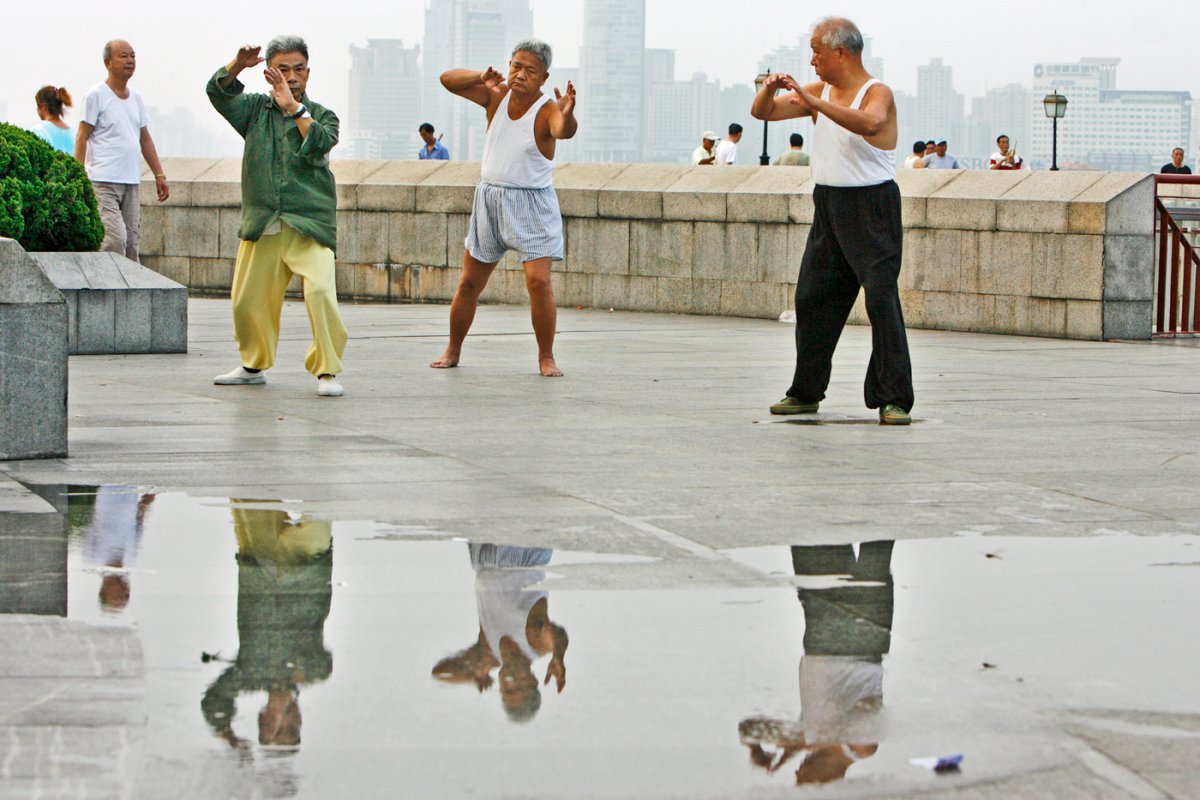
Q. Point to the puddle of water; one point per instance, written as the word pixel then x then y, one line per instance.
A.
pixel 290 656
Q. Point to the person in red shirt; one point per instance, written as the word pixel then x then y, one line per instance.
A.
pixel 1004 158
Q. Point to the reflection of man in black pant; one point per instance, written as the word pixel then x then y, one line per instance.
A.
pixel 847 631
pixel 285 569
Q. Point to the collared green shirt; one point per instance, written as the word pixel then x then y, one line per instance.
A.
pixel 285 175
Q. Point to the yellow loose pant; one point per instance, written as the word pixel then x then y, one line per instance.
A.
pixel 261 277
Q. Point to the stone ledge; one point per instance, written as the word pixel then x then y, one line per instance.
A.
pixel 117 306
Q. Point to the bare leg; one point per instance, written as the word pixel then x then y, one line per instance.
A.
pixel 543 312
pixel 475 276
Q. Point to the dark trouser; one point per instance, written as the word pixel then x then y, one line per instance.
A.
pixel 856 240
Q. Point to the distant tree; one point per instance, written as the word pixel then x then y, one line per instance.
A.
pixel 46 199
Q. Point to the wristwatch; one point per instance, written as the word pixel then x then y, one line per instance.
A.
pixel 301 113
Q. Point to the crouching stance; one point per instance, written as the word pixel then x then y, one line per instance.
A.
pixel 289 223
pixel 515 206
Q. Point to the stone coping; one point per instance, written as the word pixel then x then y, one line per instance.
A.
pixel 1025 201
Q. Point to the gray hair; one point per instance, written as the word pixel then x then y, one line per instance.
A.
pixel 108 48
pixel 840 32
pixel 536 48
pixel 286 44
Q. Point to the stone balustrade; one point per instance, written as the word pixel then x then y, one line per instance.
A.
pixel 1061 254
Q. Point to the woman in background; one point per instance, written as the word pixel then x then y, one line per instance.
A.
pixel 52 103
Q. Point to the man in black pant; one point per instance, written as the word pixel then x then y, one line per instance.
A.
pixel 856 238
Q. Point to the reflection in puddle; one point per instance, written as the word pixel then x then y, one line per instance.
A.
pixel 284 590
pixel 847 632
pixel 822 663
pixel 515 630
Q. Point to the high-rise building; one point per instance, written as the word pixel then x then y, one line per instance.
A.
pixel 612 83
pixel 1106 128
pixel 469 34
pixel 679 112
pixel 385 100
pixel 940 109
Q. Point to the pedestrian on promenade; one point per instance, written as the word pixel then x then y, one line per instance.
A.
pixel 726 151
pixel 113 139
pixel 940 159
pixel 930 147
pixel 432 149
pixel 1005 158
pixel 703 155
pixel 52 104
pixel 289 222
pixel 856 237
pixel 795 157
pixel 1176 167
pixel 917 159
pixel 515 207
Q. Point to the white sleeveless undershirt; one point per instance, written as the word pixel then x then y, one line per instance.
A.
pixel 510 153
pixel 842 158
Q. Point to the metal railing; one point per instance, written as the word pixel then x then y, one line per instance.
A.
pixel 1177 255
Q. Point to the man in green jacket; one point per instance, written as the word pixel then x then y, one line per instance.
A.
pixel 289 212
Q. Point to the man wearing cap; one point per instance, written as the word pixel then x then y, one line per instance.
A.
pixel 856 239
pixel 940 160
pixel 704 153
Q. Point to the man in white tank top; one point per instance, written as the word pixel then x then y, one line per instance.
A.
pixel 515 207
pixel 856 237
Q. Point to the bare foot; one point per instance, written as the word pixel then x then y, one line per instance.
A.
pixel 548 367
pixel 446 361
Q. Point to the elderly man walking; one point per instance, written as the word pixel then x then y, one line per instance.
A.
pixel 112 140
pixel 515 207
pixel 856 236
pixel 289 221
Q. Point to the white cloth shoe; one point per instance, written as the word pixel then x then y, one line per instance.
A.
pixel 241 377
pixel 329 386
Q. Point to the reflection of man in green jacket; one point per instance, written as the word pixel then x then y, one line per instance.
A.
pixel 289 212
pixel 285 567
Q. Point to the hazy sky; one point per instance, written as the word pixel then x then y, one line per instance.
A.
pixel 987 44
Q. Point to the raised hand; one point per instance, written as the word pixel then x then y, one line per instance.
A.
pixel 248 56
pixel 566 102
pixel 558 671
pixel 776 81
pixel 281 92
pixel 493 80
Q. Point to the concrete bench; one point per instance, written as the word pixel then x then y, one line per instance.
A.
pixel 33 359
pixel 116 305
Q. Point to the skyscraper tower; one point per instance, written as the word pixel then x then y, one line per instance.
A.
pixel 385 99
pixel 612 113
pixel 471 34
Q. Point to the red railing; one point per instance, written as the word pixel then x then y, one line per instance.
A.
pixel 1177 260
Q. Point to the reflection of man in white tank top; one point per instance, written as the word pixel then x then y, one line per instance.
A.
pixel 856 238
pixel 515 206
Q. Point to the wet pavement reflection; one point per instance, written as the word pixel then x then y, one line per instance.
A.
pixel 831 665
pixel 847 633
pixel 515 630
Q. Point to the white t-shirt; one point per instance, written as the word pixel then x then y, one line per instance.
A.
pixel 700 154
pixel 726 154
pixel 911 162
pixel 114 152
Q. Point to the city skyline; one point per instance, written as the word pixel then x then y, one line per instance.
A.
pixel 1048 32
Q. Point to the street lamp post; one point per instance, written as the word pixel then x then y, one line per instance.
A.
pixel 1056 108
pixel 764 159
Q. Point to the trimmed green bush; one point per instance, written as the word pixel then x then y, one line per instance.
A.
pixel 46 199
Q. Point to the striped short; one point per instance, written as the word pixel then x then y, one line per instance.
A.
pixel 526 220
